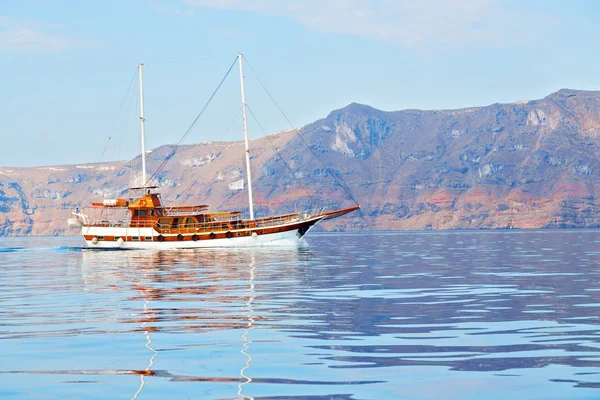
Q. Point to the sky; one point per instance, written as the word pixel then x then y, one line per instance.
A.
pixel 69 89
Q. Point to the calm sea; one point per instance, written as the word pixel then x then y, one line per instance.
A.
pixel 411 315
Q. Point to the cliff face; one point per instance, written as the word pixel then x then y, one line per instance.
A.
pixel 528 165
pixel 524 165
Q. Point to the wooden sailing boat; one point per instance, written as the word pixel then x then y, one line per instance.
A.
pixel 145 223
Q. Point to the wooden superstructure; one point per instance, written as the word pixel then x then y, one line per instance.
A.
pixel 122 223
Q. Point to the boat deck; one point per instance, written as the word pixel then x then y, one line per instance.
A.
pixel 218 222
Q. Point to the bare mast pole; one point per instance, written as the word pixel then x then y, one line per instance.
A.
pixel 142 124
pixel 240 56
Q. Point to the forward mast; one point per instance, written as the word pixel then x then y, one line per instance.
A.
pixel 248 174
pixel 142 121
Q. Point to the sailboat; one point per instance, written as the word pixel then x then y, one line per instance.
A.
pixel 144 222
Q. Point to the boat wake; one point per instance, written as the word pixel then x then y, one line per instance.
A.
pixel 58 249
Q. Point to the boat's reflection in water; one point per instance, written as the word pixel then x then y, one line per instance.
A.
pixel 190 291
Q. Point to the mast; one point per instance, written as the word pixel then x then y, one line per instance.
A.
pixel 240 56
pixel 142 124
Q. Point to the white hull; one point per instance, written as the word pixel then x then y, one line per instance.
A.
pixel 289 238
pixel 286 238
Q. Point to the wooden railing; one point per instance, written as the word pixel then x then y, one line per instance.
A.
pixel 182 210
pixel 223 226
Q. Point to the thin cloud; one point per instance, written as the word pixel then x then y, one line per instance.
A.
pixel 167 10
pixel 21 37
pixel 411 24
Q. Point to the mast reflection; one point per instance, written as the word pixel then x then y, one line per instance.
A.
pixel 190 291
pixel 149 347
pixel 246 341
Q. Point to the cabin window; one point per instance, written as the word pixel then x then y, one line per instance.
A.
pixel 135 238
pixel 190 223
pixel 148 238
pixel 164 221
pixel 176 222
pixel 100 237
pixel 140 213
pixel 117 237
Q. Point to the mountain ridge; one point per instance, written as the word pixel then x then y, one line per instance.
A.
pixel 527 164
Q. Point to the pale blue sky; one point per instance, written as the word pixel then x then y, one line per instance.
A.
pixel 66 65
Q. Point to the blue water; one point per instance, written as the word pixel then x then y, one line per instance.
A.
pixel 455 315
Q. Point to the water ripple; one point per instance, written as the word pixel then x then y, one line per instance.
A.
pixel 392 315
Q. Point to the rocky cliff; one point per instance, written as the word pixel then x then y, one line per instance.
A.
pixel 529 164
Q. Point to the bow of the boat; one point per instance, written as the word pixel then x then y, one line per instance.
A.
pixel 307 224
pixel 338 213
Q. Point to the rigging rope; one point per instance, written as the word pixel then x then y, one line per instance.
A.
pixel 189 60
pixel 233 120
pixel 130 163
pixel 279 154
pixel 172 153
pixel 106 147
pixel 132 102
pixel 120 114
pixel 299 135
